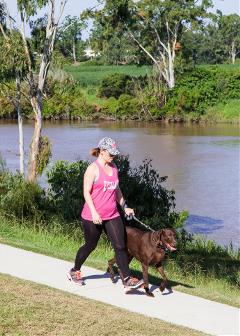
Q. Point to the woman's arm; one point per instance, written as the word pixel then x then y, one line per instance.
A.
pixel 89 178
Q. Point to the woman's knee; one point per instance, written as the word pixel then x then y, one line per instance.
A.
pixel 90 246
pixel 119 247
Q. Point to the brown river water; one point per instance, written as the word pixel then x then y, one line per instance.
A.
pixel 201 162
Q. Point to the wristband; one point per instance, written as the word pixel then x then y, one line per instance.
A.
pixel 124 205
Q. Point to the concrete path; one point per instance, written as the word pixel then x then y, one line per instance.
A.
pixel 178 308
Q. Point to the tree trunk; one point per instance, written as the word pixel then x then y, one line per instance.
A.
pixel 74 52
pixel 20 123
pixel 171 59
pixel 233 52
pixel 35 144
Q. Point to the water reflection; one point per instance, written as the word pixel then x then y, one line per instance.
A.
pixel 203 225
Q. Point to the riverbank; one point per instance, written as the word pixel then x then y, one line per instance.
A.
pixel 205 94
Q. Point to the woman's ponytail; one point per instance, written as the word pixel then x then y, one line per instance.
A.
pixel 95 151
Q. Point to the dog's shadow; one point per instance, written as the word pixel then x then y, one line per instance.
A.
pixel 155 281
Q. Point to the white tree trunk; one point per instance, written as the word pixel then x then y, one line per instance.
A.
pixel 233 52
pixel 74 52
pixel 35 144
pixel 37 92
pixel 20 124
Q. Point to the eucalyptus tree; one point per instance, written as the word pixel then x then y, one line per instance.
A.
pixel 70 35
pixel 229 28
pixel 156 26
pixel 12 66
pixel 37 71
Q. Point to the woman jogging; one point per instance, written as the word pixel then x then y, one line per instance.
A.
pixel 102 193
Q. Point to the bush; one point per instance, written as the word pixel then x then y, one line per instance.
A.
pixel 65 100
pixel 201 88
pixel 124 107
pixel 65 193
pixel 20 198
pixel 142 187
pixel 115 85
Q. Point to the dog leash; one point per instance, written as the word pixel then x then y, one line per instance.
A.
pixel 137 220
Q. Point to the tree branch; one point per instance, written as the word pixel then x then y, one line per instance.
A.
pixel 142 47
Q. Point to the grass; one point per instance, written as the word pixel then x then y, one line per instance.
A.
pixel 92 75
pixel 186 273
pixel 31 309
pixel 221 112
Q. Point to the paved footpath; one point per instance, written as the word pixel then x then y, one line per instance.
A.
pixel 183 309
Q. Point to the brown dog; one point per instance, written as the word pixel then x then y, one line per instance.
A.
pixel 149 248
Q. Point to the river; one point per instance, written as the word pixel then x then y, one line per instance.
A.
pixel 201 162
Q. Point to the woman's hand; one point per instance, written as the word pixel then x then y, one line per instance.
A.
pixel 129 212
pixel 96 218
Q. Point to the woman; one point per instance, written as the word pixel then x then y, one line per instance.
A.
pixel 102 193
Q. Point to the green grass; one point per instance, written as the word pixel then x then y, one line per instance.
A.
pixel 225 66
pixel 194 274
pixel 31 309
pixel 229 111
pixel 91 96
pixel 92 75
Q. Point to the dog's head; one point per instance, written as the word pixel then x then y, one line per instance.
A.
pixel 165 238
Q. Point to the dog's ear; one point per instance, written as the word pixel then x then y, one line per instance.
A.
pixel 156 236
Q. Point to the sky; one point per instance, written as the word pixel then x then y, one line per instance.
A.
pixel 75 7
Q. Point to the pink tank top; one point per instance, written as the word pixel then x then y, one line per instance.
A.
pixel 104 196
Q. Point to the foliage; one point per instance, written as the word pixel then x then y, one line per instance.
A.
pixel 65 193
pixel 201 88
pixel 44 154
pixel 115 85
pixel 69 38
pixel 2 164
pixel 20 198
pixel 65 101
pixel 143 190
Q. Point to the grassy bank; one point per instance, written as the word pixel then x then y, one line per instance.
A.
pixel 191 273
pixel 92 75
pixel 207 93
pixel 31 309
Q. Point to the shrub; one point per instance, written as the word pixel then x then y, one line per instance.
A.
pixel 201 88
pixel 65 100
pixel 124 107
pixel 20 198
pixel 115 85
pixel 65 193
pixel 142 187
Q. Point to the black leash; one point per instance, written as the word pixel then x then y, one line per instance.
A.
pixel 137 220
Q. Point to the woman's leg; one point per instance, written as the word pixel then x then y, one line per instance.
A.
pixel 92 233
pixel 116 232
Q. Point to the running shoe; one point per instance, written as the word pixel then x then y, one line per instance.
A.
pixel 75 277
pixel 132 283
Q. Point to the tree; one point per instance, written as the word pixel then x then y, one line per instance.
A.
pixel 27 9
pixel 229 28
pixel 155 26
pixel 70 35
pixel 13 67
